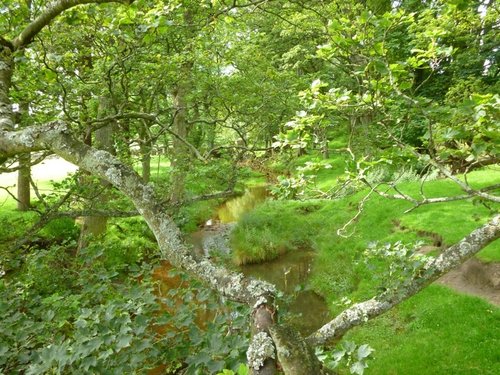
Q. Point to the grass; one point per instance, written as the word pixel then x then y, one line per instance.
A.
pixel 273 228
pixel 435 332
pixel 280 226
pixel 438 331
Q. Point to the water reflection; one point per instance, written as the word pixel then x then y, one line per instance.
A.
pixel 289 273
pixel 232 210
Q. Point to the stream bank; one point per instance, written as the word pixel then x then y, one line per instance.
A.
pixel 289 272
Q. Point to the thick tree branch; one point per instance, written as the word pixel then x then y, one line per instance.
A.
pixel 52 10
pixel 56 137
pixel 432 270
pixel 259 295
pixel 6 43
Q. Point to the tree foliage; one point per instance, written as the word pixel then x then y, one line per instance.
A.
pixel 210 86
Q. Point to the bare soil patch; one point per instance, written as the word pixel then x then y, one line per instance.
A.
pixel 475 278
pixel 472 277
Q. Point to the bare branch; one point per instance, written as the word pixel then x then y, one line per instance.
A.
pixel 424 200
pixel 446 172
pixel 341 231
pixel 44 220
pixel 153 119
pixel 463 185
pixel 9 193
pixel 11 169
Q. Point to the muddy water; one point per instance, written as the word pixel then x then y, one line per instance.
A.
pixel 307 311
pixel 289 272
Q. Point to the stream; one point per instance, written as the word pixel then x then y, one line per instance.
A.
pixel 289 272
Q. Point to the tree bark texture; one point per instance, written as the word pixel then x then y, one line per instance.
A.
pixel 23 182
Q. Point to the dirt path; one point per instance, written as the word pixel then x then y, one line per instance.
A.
pixel 475 278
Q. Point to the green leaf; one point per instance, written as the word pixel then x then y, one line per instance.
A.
pixel 214 366
pixel 349 347
pixel 364 351
pixel 243 370
pixel 358 368
pixel 199 359
pixel 124 341
pixel 379 48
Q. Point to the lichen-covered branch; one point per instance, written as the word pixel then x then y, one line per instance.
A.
pixel 295 355
pixel 56 137
pixel 261 349
pixel 433 269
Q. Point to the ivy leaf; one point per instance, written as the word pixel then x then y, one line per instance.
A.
pixel 214 366
pixel 124 341
pixel 199 359
pixel 364 351
pixel 358 368
pixel 349 347
pixel 243 370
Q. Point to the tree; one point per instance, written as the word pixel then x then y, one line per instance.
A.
pixel 271 341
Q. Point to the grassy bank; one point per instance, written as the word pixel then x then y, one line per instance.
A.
pixel 437 331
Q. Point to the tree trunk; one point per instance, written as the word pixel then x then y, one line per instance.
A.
pixel 322 139
pixel 23 182
pixel 145 148
pixel 146 163
pixel 103 139
pixel 24 172
pixel 181 153
pixel 6 64
pixel 180 157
